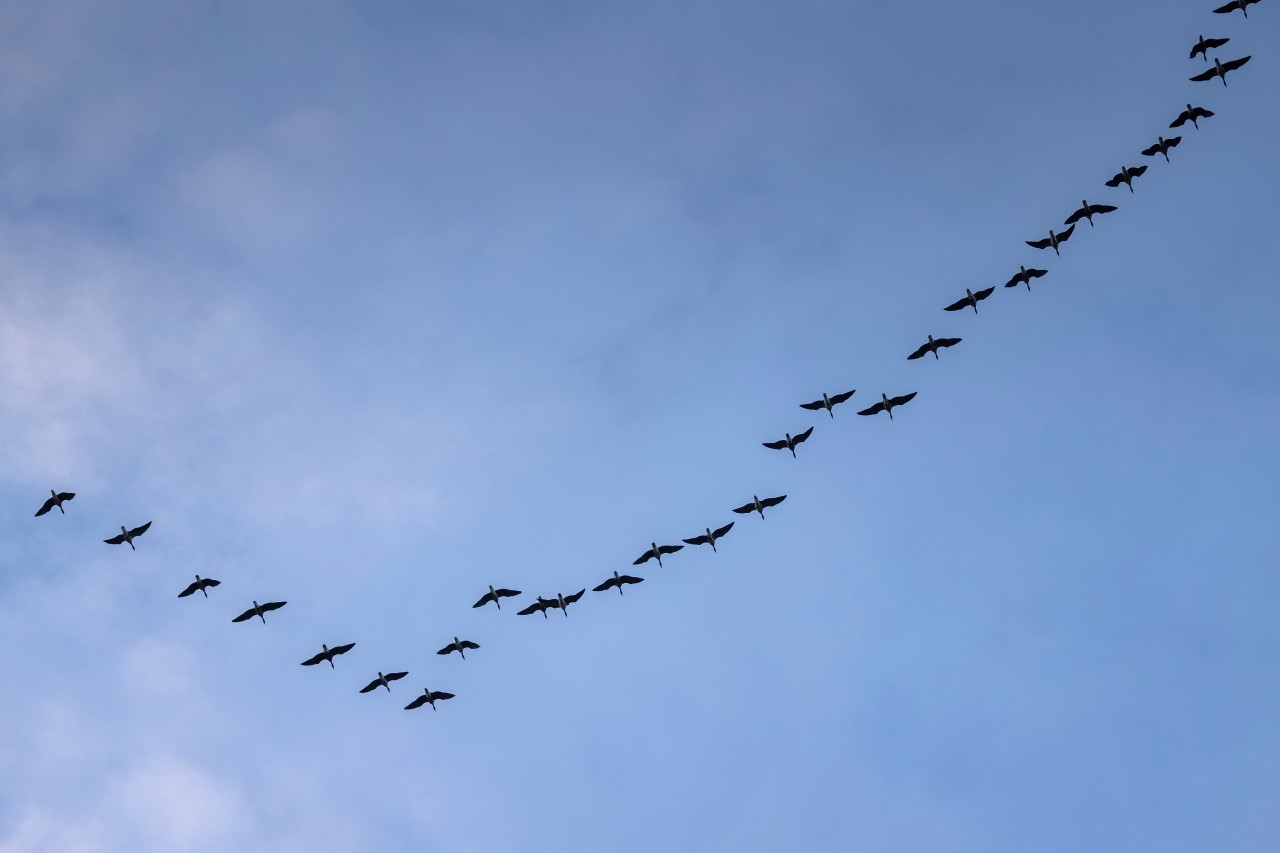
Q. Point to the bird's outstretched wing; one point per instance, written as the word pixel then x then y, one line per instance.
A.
pixel 248 614
pixel 813 407
pixel 947 342
pixel 1116 181
pixel 840 398
pixel 507 593
pixel 485 599
pixel 668 549
pixel 1063 237
pixel 118 539
pixel 440 695
pixel 1070 220
pixel 704 539
pixel 371 686
pixel 467 644
pixel 875 409
pixel 1235 63
pixel 570 599
pixel 775 445
pixel 315 659
pixel 1206 75
pixel 983 294
pixel 722 531
pixel 905 398
pixel 955 306
pixel 416 703
pixel 1230 7
pixel 924 348
pixel 745 508
pixel 46 506
pixel 607 585
pixel 272 605
pixel 194 586
pixel 138 531
pixel 643 558
pixel 1035 244
pixel 629 579
pixel 452 647
pixel 536 607
pixel 342 650
pixel 768 502
pixel 1098 209
pixel 802 437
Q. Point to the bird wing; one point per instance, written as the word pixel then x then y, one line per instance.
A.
pixel 804 436
pixel 342 650
pixel 452 647
pixel 1206 75
pixel 1070 220
pixel 1230 7
pixel 372 685
pixel 1183 118
pixel 1016 280
pixel 840 398
pixel 189 590
pixel 1218 42
pixel 536 607
pixel 1035 244
pixel 905 398
pixel 775 445
pixel 742 509
pixel 507 593
pixel 570 599
pixel 722 531
pixel 1097 208
pixel 813 407
pixel 877 408
pixel 440 694
pixel 210 582
pixel 1172 143
pixel 983 294
pixel 416 703
pixel 958 304
pixel 46 506
pixel 1235 63
pixel 1064 236
pixel 767 502
pixel 1151 151
pixel 467 644
pixel 66 496
pixel 1201 112
pixel 924 348
pixel 698 540
pixel 947 342
pixel 248 614
pixel 1036 273
pixel 315 659
pixel 485 599
pixel 669 549
pixel 629 579
pixel 394 676
pixel 272 605
pixel 1137 171
pixel 643 558
pixel 1116 181
pixel 115 540
pixel 138 531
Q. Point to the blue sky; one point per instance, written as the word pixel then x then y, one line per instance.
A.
pixel 368 306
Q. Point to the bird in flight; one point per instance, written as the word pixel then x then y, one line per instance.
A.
pixel 1242 5
pixel 789 442
pixel 128 535
pixel 561 601
pixel 200 584
pixel 710 537
pixel 1191 114
pixel 1053 240
pixel 970 300
pixel 494 595
pixel 428 698
pixel 259 609
pixel 760 506
pixel 656 551
pixel 55 499
pixel 327 654
pixel 1024 276
pixel 1087 211
pixel 1126 175
pixel 887 404
pixel 1204 45
pixel 1162 147
pixel 618 581
pixel 383 681
pixel 1220 69
pixel 933 345
pixel 828 402
pixel 459 646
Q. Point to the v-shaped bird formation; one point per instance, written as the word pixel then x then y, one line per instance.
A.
pixel 1055 240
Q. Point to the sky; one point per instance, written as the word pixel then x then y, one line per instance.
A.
pixel 368 306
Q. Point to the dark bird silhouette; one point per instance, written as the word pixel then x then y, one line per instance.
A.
pixel 539 606
pixel 495 594
pixel 710 537
pixel 1162 147
pixel 1087 211
pixel 327 654
pixel 1053 240
pixel 656 550
pixel 760 506
pixel 1191 114
pixel 789 442
pixel 1220 69
pixel 1126 175
pixel 459 646
pixel 933 345
pixel 828 402
pixel 1024 276
pixel 55 499
pixel 618 581
pixel 970 300
pixel 128 535
pixel 259 609
pixel 887 404
pixel 428 698
pixel 1204 45
pixel 200 584
pixel 563 601
pixel 383 681
pixel 1242 5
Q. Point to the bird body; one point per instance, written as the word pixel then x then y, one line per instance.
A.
pixel 1024 276
pixel 760 506
pixel 616 581
pixel 128 535
pixel 428 698
pixel 1191 114
pixel 1088 211
pixel 887 404
pixel 656 551
pixel 828 402
pixel 459 646
pixel 1126 175
pixel 55 498
pixel 494 595
pixel 710 537
pixel 789 442
pixel 200 584
pixel 1162 146
pixel 383 681
pixel 1052 241
pixel 327 654
pixel 933 345
pixel 258 610
pixel 1204 45
pixel 1221 68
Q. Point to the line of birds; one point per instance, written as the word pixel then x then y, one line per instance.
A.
pixel 789 442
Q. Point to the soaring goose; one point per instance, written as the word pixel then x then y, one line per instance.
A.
pixel 789 442
pixel 760 506
pixel 618 581
pixel 970 300
pixel 827 402
pixel 1024 276
pixel 887 403
pixel 1162 147
pixel 1053 240
pixel 495 594
pixel 1126 175
pixel 200 584
pixel 383 681
pixel 1191 114
pixel 563 601
pixel 710 537
pixel 1204 45
pixel 327 654
pixel 259 609
pixel 1242 5
pixel 1220 69
pixel 656 550
pixel 1088 211
pixel 933 345
pixel 128 535
pixel 459 646
pixel 55 499
pixel 428 698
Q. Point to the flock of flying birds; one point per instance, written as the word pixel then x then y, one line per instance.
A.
pixel 790 442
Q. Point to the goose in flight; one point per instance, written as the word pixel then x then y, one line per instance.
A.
pixel 656 550
pixel 1220 69
pixel 1162 147
pixel 200 584
pixel 1053 240
pixel 760 506
pixel 428 698
pixel 887 404
pixel 618 581
pixel 1126 175
pixel 128 535
pixel 459 646
pixel 1088 211
pixel 789 442
pixel 710 537
pixel 828 402
pixel 970 300
pixel 494 595
pixel 1024 276
pixel 259 609
pixel 563 601
pixel 1191 114
pixel 383 681
pixel 1242 5
pixel 933 345
pixel 1204 45
pixel 55 499
pixel 327 654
